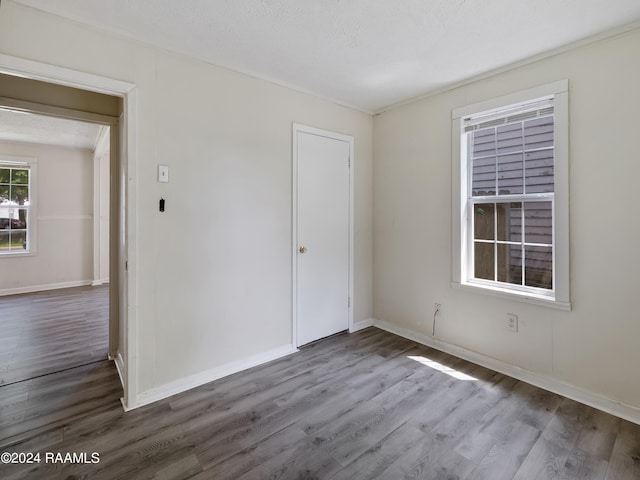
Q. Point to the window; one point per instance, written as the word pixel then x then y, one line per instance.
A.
pixel 511 196
pixel 17 179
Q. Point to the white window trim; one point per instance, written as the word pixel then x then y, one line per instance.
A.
pixel 561 298
pixel 32 228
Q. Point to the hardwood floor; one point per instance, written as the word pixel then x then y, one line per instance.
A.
pixel 46 332
pixel 368 405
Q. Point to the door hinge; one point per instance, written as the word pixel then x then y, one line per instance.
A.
pixel 349 162
pixel 126 265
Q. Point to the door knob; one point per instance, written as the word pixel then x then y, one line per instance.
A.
pixel 302 249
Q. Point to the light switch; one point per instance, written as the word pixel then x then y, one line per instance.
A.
pixel 163 173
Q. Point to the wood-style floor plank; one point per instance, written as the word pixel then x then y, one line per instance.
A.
pixel 368 405
pixel 46 332
pixel 625 458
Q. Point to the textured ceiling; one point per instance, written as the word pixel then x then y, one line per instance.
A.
pixel 44 130
pixel 365 53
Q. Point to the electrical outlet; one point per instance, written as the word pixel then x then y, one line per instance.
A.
pixel 512 322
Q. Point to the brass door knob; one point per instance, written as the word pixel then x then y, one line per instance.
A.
pixel 302 249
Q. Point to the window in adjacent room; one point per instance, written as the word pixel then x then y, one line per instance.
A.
pixel 512 195
pixel 16 206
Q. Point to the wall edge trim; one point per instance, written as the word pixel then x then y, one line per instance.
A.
pixel 361 324
pixel 118 360
pixel 45 287
pixel 187 383
pixel 618 409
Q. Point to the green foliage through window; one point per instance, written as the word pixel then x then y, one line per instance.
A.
pixel 14 209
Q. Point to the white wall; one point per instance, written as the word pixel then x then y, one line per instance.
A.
pixel 214 270
pixel 595 346
pixel 64 221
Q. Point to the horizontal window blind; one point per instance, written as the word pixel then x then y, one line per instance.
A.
pixel 538 108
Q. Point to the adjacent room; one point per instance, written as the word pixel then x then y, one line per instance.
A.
pixel 326 239
pixel 55 260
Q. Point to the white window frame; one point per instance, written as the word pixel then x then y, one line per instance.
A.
pixel 12 161
pixel 558 297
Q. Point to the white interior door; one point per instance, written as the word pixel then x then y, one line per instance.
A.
pixel 322 246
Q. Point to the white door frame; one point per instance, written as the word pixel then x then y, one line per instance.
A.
pixel 126 360
pixel 298 128
pixel 99 277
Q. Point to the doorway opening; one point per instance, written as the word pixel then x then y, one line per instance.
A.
pixel 33 86
pixel 54 243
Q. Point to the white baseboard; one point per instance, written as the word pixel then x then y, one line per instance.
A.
pixel 99 282
pixel 119 361
pixel 359 325
pixel 627 412
pixel 192 381
pixel 42 288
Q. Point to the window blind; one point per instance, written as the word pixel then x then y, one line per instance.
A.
pixel 538 108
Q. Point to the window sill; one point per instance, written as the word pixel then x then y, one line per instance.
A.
pixel 524 297
pixel 18 255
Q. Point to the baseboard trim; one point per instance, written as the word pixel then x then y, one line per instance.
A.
pixel 119 361
pixel 192 381
pixel 45 287
pixel 102 281
pixel 361 324
pixel 627 412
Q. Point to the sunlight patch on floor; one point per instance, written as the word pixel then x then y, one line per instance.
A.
pixel 441 368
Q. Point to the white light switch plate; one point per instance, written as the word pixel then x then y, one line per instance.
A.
pixel 163 173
